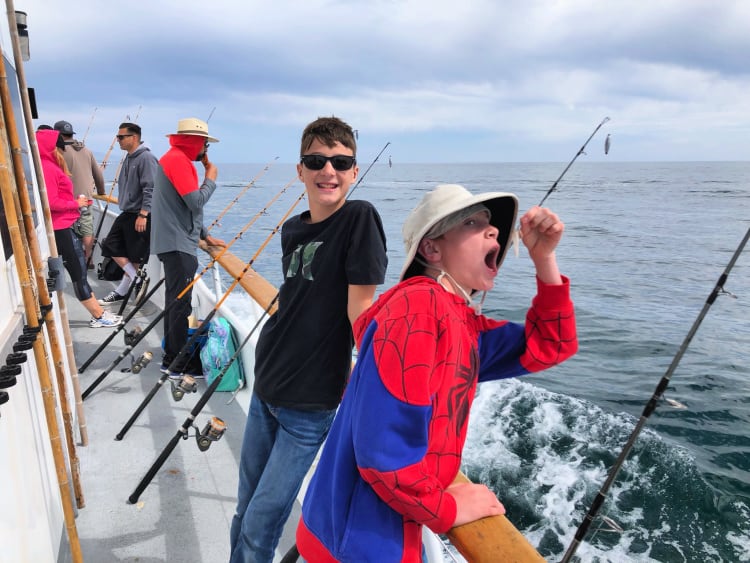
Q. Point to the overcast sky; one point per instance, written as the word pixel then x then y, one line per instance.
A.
pixel 443 81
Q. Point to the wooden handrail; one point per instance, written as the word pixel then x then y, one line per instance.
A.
pixel 491 540
pixel 107 198
pixel 256 286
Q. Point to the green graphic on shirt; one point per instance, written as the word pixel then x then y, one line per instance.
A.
pixel 307 253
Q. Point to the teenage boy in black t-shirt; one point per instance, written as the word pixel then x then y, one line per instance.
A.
pixel 334 256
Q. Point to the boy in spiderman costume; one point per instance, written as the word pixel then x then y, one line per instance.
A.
pixel 395 446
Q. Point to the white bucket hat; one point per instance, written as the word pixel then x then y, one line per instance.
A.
pixel 194 126
pixel 445 200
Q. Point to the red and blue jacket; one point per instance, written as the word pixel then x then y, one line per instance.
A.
pixel 397 439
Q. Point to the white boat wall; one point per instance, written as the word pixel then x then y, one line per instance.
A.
pixel 32 518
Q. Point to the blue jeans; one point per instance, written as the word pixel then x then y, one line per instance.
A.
pixel 278 449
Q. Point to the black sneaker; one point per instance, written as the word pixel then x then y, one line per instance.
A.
pixel 112 298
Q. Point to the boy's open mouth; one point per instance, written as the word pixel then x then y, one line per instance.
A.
pixel 491 258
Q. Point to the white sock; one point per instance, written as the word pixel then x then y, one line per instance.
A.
pixel 122 289
pixel 127 279
pixel 130 270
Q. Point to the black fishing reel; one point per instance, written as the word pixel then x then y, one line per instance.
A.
pixel 212 432
pixel 131 336
pixel 52 280
pixel 186 384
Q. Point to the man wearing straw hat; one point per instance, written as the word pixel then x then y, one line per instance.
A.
pixel 177 226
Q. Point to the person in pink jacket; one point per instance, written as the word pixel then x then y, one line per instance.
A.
pixel 64 209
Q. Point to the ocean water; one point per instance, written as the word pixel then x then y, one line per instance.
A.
pixel 644 246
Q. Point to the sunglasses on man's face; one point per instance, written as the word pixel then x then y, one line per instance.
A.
pixel 340 162
pixel 121 137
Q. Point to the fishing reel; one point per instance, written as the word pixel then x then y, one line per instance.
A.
pixel 131 336
pixel 52 280
pixel 185 384
pixel 212 432
pixel 142 362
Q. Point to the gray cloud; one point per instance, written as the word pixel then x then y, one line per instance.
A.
pixel 527 80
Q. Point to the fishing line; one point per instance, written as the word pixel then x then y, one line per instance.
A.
pixel 89 127
pixel 516 235
pixel 579 153
pixel 652 403
pixel 366 171
pixel 237 198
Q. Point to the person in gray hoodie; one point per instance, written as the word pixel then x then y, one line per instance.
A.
pixel 87 176
pixel 128 241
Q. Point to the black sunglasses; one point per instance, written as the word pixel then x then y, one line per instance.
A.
pixel 340 162
pixel 121 137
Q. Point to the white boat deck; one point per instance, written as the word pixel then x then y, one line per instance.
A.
pixel 185 513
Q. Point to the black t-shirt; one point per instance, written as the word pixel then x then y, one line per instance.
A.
pixel 304 351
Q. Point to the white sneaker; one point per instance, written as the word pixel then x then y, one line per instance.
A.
pixel 107 320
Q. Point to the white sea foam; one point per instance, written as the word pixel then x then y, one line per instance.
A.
pixel 557 481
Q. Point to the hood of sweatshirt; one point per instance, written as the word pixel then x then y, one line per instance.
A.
pixel 191 145
pixel 46 140
pixel 75 145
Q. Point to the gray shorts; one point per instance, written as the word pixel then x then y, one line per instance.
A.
pixel 84 226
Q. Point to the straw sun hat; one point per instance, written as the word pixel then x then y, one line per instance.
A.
pixel 193 126
pixel 445 200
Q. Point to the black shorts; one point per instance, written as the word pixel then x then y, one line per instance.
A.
pixel 124 240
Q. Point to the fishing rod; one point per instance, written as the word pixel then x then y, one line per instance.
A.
pixel 89 127
pixel 213 430
pixel 12 194
pixel 580 151
pixel 188 387
pixel 236 199
pixel 144 280
pixel 368 169
pixel 119 328
pixel 105 160
pixel 516 234
pixel 167 307
pixel 652 403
